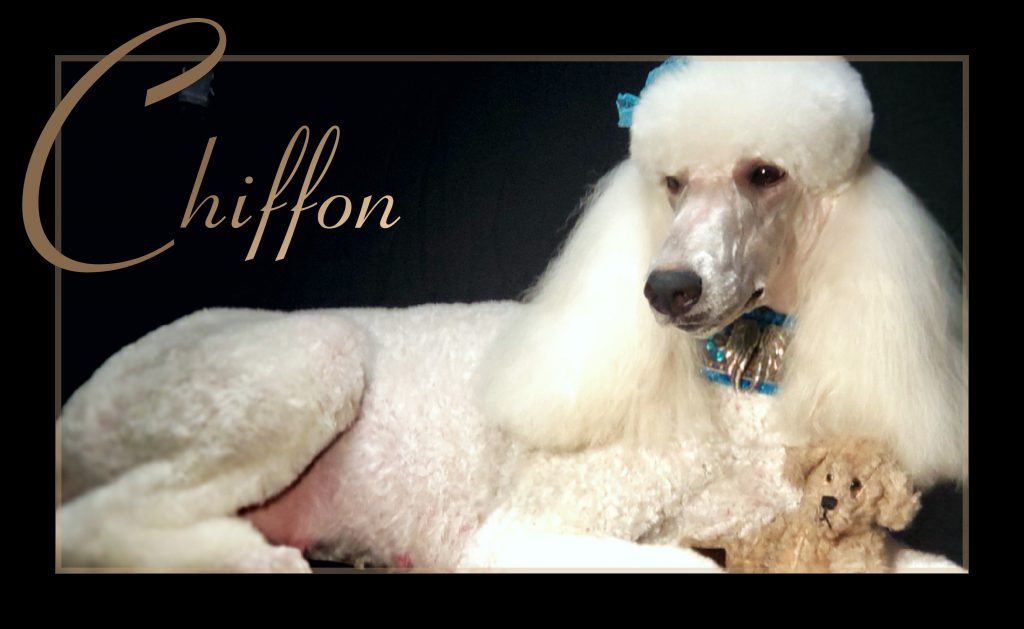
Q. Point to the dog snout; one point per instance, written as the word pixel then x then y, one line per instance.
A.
pixel 673 293
pixel 829 502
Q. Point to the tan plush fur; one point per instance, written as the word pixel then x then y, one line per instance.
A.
pixel 871 494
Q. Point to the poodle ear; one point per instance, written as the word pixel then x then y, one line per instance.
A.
pixel 801 461
pixel 877 349
pixel 584 361
pixel 899 502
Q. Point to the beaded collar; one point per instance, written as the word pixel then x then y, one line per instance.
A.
pixel 747 354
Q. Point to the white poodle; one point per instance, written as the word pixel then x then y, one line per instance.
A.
pixel 588 426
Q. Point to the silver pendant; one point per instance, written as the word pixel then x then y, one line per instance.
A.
pixel 748 353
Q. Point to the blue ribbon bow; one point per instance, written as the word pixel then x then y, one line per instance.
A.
pixel 626 102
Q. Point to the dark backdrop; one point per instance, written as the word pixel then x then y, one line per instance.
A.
pixel 486 163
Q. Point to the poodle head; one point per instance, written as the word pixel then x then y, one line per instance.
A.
pixel 852 485
pixel 745 155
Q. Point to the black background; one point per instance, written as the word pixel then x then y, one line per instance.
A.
pixel 486 161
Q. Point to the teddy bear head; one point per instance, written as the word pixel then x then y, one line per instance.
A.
pixel 852 485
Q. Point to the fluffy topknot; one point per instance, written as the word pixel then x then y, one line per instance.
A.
pixel 811 116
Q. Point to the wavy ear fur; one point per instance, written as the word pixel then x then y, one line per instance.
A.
pixel 878 345
pixel 899 503
pixel 586 363
pixel 801 461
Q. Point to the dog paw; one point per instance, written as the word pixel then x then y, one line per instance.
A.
pixel 275 559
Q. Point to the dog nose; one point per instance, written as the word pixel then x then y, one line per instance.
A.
pixel 672 293
pixel 829 502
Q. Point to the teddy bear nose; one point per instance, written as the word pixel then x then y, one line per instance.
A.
pixel 829 502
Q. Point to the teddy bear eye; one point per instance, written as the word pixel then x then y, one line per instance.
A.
pixel 855 486
pixel 828 477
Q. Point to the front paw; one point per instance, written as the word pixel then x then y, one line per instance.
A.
pixel 275 559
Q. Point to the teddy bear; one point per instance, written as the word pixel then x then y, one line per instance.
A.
pixel 853 492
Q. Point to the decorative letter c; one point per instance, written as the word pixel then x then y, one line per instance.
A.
pixel 36 164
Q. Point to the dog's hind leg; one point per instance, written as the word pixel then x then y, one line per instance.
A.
pixel 178 432
pixel 105 530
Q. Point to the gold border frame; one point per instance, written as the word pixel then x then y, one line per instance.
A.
pixel 59 59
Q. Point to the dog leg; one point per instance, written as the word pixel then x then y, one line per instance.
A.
pixel 99 530
pixel 517 547
pixel 580 552
pixel 903 559
pixel 178 432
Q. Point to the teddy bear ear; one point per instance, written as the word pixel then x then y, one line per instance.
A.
pixel 801 461
pixel 899 502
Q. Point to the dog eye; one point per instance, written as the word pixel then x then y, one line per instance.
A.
pixel 764 175
pixel 673 184
pixel 828 477
pixel 855 486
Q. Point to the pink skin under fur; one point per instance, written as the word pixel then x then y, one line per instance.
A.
pixel 363 497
